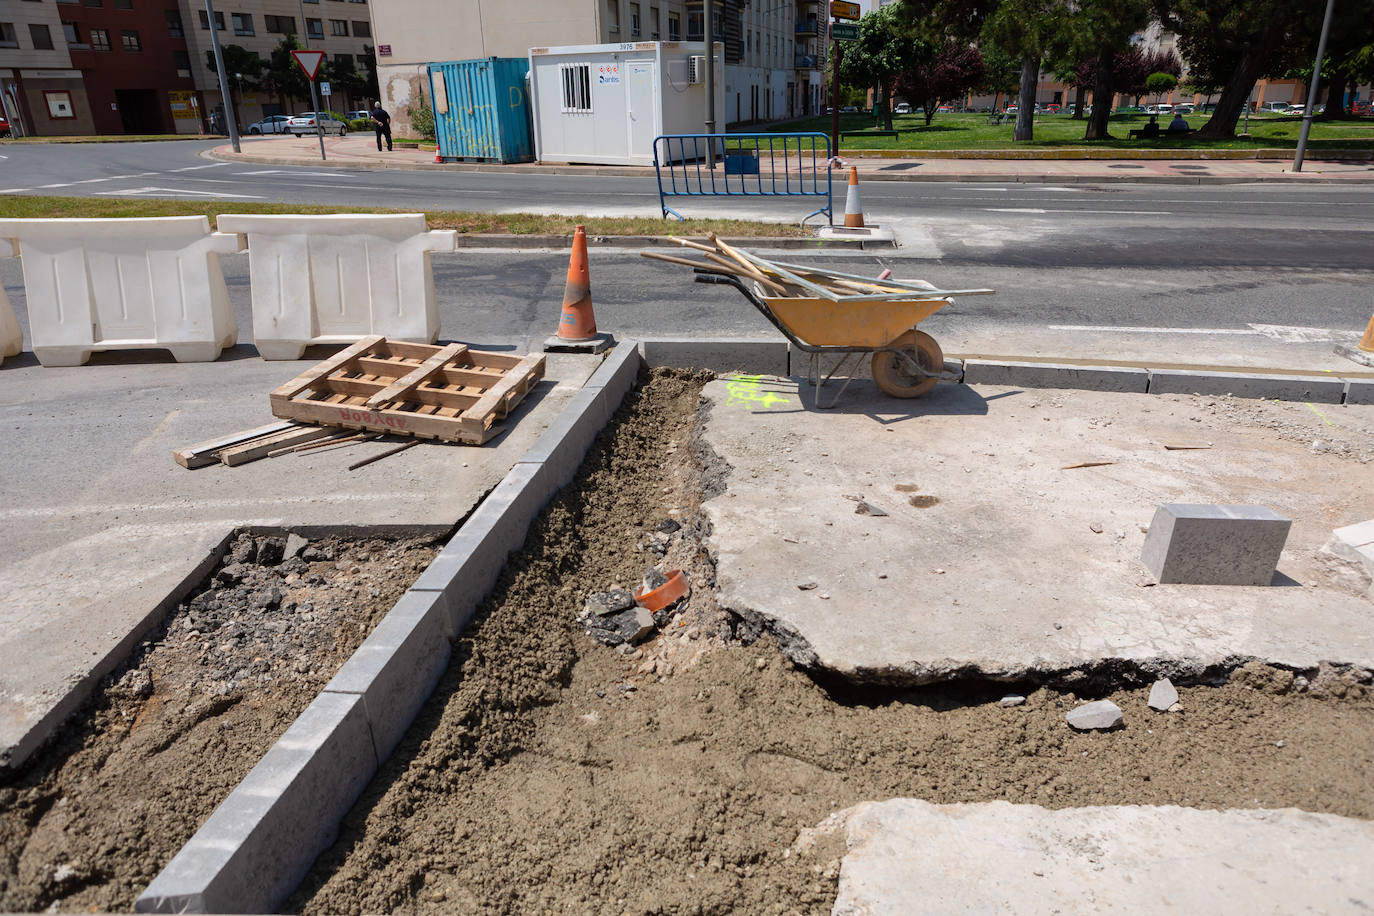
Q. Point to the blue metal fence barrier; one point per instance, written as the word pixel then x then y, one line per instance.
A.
pixel 746 165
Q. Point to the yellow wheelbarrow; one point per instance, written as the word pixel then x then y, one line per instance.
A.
pixel 906 362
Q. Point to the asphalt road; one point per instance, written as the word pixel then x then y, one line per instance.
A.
pixel 1072 265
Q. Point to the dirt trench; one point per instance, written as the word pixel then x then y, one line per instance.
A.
pixel 551 774
pixel 92 818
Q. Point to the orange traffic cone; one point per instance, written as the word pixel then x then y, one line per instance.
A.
pixel 1367 343
pixel 437 156
pixel 853 209
pixel 577 326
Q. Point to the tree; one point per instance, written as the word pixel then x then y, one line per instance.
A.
pixel 243 69
pixel 1101 30
pixel 1232 42
pixel 1030 30
pixel 950 76
pixel 1159 84
pixel 884 51
pixel 283 77
pixel 1001 74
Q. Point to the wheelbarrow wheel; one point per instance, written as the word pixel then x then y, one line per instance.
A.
pixel 895 378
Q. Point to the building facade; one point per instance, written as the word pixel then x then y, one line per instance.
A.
pixel 42 92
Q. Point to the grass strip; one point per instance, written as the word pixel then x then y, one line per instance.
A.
pixel 466 222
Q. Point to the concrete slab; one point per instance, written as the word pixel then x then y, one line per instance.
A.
pixel 98 526
pixel 1015 525
pixel 908 856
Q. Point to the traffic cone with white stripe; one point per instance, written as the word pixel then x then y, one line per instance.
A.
pixel 853 209
pixel 577 325
pixel 1367 344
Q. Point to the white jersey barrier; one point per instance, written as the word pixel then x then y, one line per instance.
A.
pixel 338 278
pixel 11 338
pixel 124 284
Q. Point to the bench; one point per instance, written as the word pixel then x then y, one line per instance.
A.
pixel 1163 134
pixel 869 133
pixel 996 119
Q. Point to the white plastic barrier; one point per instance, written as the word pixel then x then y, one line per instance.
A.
pixel 124 284
pixel 11 338
pixel 339 278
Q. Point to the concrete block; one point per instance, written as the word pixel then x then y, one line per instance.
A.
pixel 337 278
pixel 1215 545
pixel 617 373
pixel 258 845
pixel 123 284
pixel 1054 375
pixel 767 356
pixel 1359 391
pixel 561 448
pixel 11 337
pixel 1244 385
pixel 397 666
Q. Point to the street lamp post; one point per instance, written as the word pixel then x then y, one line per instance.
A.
pixel 223 77
pixel 709 34
pixel 1309 111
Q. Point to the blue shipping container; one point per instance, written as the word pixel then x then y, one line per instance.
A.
pixel 482 109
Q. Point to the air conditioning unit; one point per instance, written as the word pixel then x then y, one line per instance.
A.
pixel 696 69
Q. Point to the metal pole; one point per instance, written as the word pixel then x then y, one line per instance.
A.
pixel 835 96
pixel 709 35
pixel 223 77
pixel 314 97
pixel 1310 110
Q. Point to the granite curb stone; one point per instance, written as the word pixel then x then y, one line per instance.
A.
pixel 1192 544
pixel 259 843
pixel 1246 385
pixel 1051 375
pixel 720 354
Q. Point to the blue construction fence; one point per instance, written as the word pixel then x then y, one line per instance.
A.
pixel 744 165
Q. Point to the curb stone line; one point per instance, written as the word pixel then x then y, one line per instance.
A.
pixel 264 837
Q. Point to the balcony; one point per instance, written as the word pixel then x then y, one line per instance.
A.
pixel 808 27
pixel 805 62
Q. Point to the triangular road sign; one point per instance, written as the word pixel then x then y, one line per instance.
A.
pixel 309 61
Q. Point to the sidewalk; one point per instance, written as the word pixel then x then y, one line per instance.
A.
pixel 359 152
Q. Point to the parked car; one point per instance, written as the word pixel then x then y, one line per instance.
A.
pixel 902 108
pixel 273 124
pixel 1297 109
pixel 849 109
pixel 945 108
pixel 362 115
pixel 303 124
pixel 4 127
pixel 1186 108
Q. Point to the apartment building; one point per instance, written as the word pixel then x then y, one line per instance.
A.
pixel 774 49
pixel 41 91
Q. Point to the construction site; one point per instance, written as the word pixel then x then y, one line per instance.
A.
pixel 837 620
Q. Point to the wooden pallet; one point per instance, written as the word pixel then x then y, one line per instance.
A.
pixel 449 393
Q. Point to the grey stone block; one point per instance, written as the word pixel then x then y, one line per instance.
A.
pixel 617 374
pixel 397 666
pixel 768 356
pixel 1245 385
pixel 1359 391
pixel 564 444
pixel 1215 545
pixel 1055 375
pixel 258 845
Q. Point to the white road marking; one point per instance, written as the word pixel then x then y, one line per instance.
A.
pixel 290 172
pixel 1304 335
pixel 44 187
pixel 1014 210
pixel 1117 329
pixel 171 192
pixel 1283 333
pixel 193 168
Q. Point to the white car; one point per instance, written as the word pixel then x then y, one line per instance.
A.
pixel 902 108
pixel 303 124
pixel 273 124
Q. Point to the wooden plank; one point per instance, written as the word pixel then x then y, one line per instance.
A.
pixel 408 350
pixel 485 409
pixel 206 453
pixel 260 448
pixel 399 389
pixel 466 377
pixel 302 381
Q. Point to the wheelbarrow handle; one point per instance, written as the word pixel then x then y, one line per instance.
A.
pixel 715 278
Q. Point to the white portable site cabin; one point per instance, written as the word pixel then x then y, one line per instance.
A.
pixel 607 103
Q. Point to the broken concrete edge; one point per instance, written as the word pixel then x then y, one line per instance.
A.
pixel 760 243
pixel 771 356
pixel 81 690
pixel 261 841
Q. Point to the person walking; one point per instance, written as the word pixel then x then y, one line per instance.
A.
pixel 381 124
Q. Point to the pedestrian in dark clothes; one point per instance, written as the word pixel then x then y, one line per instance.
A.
pixel 381 123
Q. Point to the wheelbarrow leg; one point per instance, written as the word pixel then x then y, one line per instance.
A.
pixel 819 384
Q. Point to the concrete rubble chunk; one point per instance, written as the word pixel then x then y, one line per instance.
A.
pixel 294 545
pixel 1012 699
pixel 1163 695
pixel 909 856
pixel 1193 544
pixel 612 601
pixel 1099 715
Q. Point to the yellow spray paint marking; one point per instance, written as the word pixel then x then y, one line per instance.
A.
pixel 746 391
pixel 1320 414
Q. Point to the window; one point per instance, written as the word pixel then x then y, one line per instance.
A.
pixel 70 32
pixel 42 38
pixel 281 25
pixel 8 37
pixel 311 1
pixel 243 23
pixel 634 20
pixel 131 42
pixel 182 61
pixel 124 4
pixel 205 21
pixel 362 28
pixel 674 27
pixel 613 20
pixel 344 62
pixel 577 87
pixel 314 28
pixel 357 1
pixel 91 3
pixel 100 40
pixel 653 23
pixel 338 27
pixel 174 26
pixel 694 26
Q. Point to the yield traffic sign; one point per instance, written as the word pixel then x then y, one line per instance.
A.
pixel 309 61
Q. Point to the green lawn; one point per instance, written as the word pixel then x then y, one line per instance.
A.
pixel 36 207
pixel 972 131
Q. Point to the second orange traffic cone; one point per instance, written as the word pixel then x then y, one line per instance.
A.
pixel 853 209
pixel 1367 343
pixel 578 321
